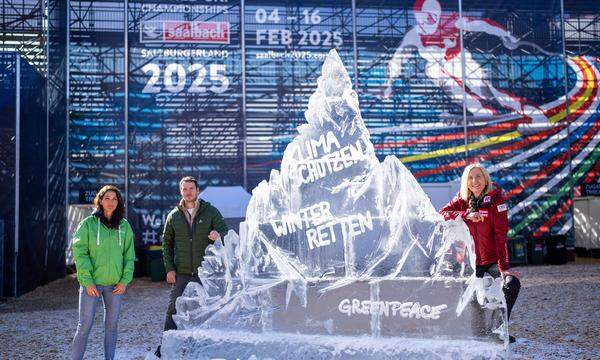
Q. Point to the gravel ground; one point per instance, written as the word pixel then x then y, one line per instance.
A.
pixel 557 316
pixel 41 324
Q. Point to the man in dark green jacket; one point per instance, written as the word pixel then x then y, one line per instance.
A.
pixel 190 227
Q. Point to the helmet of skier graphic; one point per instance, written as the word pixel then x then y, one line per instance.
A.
pixel 427 15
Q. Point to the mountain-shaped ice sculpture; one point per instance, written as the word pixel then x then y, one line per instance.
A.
pixel 336 243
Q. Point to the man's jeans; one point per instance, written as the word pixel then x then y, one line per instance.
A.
pixel 87 311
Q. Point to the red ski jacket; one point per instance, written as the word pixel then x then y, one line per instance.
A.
pixel 489 235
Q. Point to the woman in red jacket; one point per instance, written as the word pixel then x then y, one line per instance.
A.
pixel 482 206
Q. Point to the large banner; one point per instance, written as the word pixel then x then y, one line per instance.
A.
pixel 485 86
pixel 216 89
pixel 286 44
pixel 185 99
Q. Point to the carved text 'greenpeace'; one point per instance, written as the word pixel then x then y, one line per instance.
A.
pixel 407 310
pixel 320 225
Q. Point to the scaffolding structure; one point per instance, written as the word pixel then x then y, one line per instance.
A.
pixel 227 118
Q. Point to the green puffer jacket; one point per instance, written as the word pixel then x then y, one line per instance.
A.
pixel 103 256
pixel 184 245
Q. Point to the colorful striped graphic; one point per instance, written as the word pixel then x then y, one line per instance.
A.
pixel 540 199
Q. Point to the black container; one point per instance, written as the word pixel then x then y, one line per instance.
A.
pixel 535 251
pixel 556 250
pixel 571 253
pixel 517 250
pixel 582 252
pixel 156 266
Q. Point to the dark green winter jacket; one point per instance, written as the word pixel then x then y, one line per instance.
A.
pixel 184 245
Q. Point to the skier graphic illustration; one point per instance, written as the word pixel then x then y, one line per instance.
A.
pixel 436 37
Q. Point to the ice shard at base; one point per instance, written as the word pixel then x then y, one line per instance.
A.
pixel 341 254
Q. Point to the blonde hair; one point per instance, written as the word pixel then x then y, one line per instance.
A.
pixel 464 188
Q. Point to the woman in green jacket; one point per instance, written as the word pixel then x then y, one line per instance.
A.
pixel 104 256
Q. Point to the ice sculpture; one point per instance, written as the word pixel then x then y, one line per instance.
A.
pixel 340 256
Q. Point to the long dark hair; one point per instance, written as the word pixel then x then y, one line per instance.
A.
pixel 119 212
